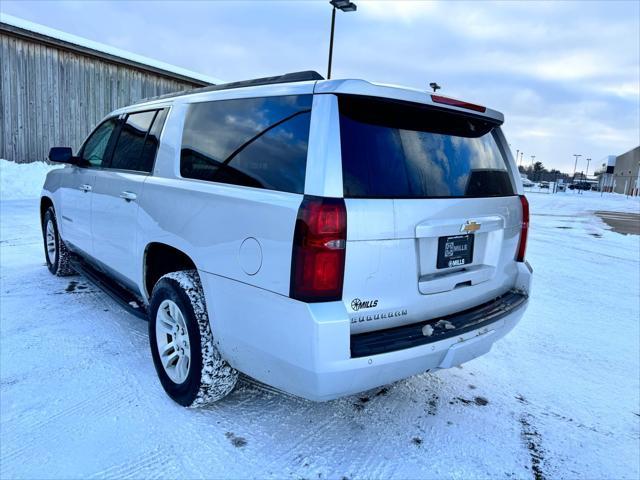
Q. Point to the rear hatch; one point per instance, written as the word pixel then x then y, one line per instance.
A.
pixel 433 216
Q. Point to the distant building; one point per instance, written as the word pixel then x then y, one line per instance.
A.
pixel 55 87
pixel 609 163
pixel 622 173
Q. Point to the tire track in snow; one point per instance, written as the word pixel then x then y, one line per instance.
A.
pixel 239 414
pixel 303 438
pixel 243 412
pixel 30 430
pixel 379 409
pixel 33 430
pixel 153 464
pixel 532 441
pixel 359 411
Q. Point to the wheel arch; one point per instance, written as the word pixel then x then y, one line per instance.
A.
pixel 159 259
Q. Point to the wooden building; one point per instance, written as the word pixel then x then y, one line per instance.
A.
pixel 55 87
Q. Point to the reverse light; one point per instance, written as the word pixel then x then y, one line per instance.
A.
pixel 458 103
pixel 319 244
pixel 524 232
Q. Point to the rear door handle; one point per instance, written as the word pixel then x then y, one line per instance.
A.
pixel 86 187
pixel 128 196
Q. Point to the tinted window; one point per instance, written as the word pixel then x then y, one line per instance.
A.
pixel 255 142
pixel 128 153
pixel 152 142
pixel 95 146
pixel 394 149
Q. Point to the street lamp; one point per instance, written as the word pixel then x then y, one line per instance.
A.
pixel 345 6
pixel 575 165
pixel 588 161
pixel 533 157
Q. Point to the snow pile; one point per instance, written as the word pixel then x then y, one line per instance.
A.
pixel 22 180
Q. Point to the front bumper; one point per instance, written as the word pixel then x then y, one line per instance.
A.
pixel 308 350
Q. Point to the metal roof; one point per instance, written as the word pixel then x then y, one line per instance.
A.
pixel 26 29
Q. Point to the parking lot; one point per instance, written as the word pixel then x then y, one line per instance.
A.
pixel 621 222
pixel 557 398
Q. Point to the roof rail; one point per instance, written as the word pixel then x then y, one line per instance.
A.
pixel 304 76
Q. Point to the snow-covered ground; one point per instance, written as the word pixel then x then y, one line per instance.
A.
pixel 557 398
pixel 22 180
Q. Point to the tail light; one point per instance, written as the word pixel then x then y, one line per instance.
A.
pixel 319 242
pixel 522 247
pixel 457 103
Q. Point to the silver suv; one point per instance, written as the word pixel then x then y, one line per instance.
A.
pixel 323 237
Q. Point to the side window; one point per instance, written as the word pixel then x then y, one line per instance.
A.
pixel 152 142
pixel 130 152
pixel 255 142
pixel 95 146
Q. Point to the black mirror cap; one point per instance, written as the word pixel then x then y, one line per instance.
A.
pixel 62 155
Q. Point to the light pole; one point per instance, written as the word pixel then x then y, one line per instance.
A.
pixel 345 6
pixel 575 165
pixel 533 157
pixel 588 161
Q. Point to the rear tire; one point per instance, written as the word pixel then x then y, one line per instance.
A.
pixel 190 367
pixel 55 251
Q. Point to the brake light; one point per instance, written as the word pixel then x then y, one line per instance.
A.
pixel 319 243
pixel 522 247
pixel 458 103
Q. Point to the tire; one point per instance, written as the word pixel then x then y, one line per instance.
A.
pixel 55 251
pixel 179 328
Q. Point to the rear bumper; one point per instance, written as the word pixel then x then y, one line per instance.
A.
pixel 307 349
pixel 427 332
pixel 355 375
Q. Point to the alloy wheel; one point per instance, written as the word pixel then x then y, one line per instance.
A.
pixel 172 339
pixel 51 242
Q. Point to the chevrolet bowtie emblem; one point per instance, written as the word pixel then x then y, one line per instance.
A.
pixel 470 226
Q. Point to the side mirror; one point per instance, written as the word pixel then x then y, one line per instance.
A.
pixel 62 155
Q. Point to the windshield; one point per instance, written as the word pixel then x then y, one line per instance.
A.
pixel 400 150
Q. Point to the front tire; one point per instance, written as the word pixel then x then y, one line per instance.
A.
pixel 55 251
pixel 190 367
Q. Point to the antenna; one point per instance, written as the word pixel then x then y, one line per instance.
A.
pixel 435 86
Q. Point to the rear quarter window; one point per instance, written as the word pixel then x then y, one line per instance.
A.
pixel 398 150
pixel 254 142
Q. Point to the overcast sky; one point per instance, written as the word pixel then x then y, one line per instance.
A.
pixel 565 74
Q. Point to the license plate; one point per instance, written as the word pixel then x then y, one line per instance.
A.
pixel 455 251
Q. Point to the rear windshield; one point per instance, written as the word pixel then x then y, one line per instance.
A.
pixel 402 150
